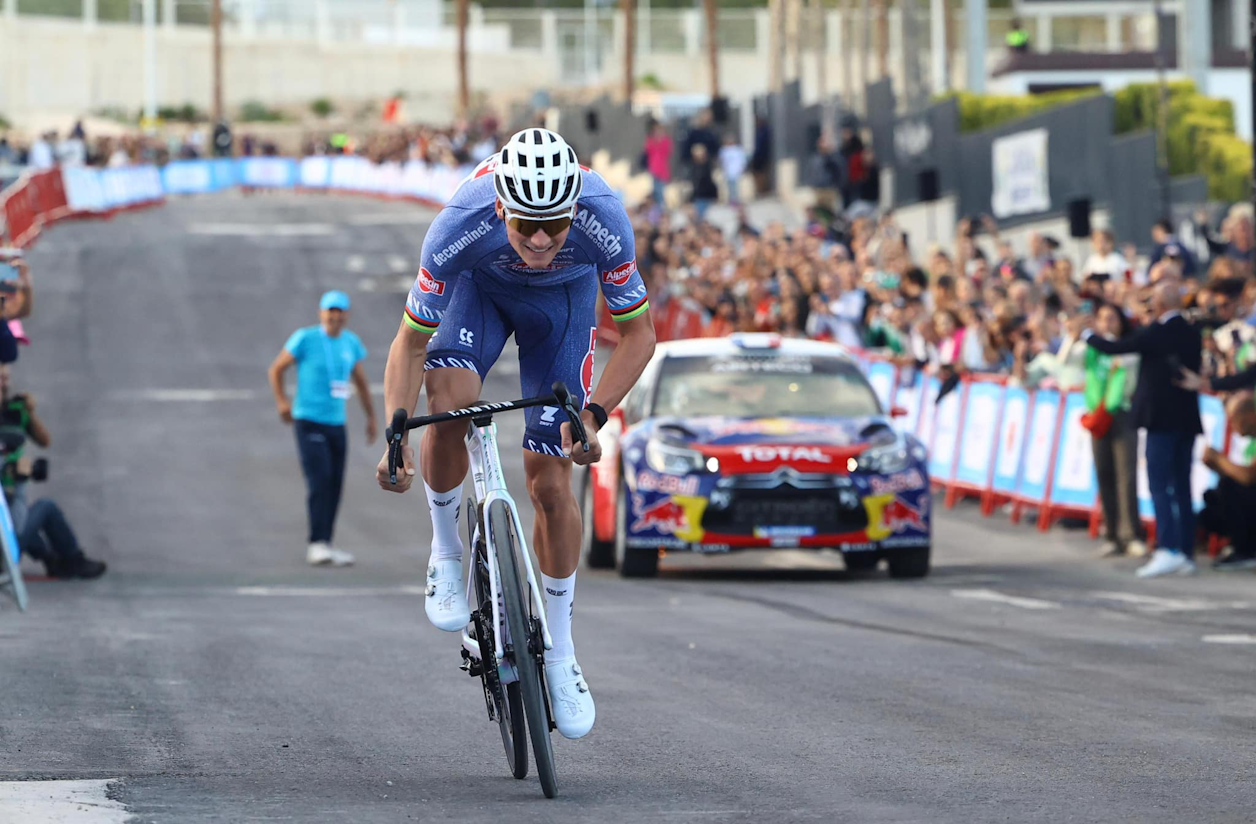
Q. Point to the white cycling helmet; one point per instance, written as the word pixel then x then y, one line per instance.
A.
pixel 537 173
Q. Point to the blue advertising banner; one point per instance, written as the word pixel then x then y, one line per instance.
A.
pixel 980 435
pixel 1074 484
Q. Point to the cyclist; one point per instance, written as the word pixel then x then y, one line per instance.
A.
pixel 521 249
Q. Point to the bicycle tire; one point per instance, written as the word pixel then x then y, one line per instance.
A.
pixel 507 704
pixel 527 661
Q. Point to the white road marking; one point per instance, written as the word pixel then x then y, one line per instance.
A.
pixel 185 395
pixel 1229 639
pixel 355 263
pixel 397 263
pixel 327 592
pixel 1152 603
pixel 267 230
pixel 367 285
pixel 1000 598
pixel 391 218
pixel 60 802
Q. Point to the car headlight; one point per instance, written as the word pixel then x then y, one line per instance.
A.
pixel 887 459
pixel 673 459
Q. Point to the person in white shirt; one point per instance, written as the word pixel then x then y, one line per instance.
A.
pixel 733 163
pixel 41 156
pixel 1105 260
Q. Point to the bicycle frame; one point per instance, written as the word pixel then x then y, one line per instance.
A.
pixel 490 487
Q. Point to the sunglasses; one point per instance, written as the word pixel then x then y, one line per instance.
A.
pixel 529 225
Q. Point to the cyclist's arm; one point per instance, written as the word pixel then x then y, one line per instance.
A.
pixel 627 362
pixel 403 375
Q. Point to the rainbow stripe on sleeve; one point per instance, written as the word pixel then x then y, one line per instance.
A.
pixel 630 312
pixel 421 324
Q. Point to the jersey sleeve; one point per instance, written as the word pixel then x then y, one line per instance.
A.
pixel 296 343
pixel 621 283
pixel 439 264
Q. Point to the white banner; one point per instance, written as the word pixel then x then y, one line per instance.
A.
pixel 1020 174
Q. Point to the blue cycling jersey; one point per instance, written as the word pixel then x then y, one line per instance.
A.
pixel 468 237
pixel 473 292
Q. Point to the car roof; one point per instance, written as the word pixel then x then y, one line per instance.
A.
pixel 751 343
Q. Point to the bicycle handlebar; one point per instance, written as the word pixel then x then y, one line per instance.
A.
pixel 402 424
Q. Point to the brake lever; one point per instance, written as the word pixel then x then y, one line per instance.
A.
pixel 577 424
pixel 393 434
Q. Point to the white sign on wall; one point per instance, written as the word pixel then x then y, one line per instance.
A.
pixel 1020 174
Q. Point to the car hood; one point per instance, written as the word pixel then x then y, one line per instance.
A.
pixel 722 431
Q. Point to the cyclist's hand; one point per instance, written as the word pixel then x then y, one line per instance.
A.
pixel 576 450
pixel 285 410
pixel 405 472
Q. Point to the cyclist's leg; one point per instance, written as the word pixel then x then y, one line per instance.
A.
pixel 459 355
pixel 561 329
pixel 558 329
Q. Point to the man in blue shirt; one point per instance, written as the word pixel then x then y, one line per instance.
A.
pixel 327 356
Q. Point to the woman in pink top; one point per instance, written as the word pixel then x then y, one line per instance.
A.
pixel 658 158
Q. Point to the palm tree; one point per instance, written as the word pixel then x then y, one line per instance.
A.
pixel 713 46
pixel 464 92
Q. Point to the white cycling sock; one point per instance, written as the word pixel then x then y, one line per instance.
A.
pixel 560 595
pixel 445 506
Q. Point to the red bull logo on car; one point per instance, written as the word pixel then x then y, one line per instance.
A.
pixel 665 516
pixel 891 514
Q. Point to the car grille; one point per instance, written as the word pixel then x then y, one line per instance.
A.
pixel 746 509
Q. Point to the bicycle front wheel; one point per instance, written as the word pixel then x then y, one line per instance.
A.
pixel 525 640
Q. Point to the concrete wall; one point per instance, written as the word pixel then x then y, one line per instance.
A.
pixel 49 65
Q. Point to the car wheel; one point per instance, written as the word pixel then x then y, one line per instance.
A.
pixel 600 554
pixel 860 561
pixel 633 562
pixel 909 563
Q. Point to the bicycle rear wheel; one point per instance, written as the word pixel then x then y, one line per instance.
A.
pixel 506 704
pixel 525 638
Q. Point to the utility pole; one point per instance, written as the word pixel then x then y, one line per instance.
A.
pixel 1162 117
pixel 776 16
pixel 215 22
pixel 150 64
pixel 819 38
pixel 713 45
pixel 629 8
pixel 883 39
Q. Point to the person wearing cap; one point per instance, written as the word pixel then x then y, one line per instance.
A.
pixel 328 357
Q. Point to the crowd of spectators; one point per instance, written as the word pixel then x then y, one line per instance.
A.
pixel 852 275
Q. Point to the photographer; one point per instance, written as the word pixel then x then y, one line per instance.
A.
pixel 43 532
pixel 1230 508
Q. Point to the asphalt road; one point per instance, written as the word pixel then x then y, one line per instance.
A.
pixel 212 676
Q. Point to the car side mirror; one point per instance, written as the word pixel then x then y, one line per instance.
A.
pixel 898 412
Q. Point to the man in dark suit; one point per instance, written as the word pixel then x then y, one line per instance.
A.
pixel 1170 414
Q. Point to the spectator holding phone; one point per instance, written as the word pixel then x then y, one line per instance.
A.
pixel 1105 259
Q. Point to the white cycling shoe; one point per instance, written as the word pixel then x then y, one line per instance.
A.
pixel 446 601
pixel 570 699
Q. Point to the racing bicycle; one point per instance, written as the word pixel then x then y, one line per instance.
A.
pixel 504 644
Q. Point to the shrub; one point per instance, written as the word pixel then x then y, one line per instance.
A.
pixel 5 124
pixel 187 113
pixel 255 112
pixel 322 107
pixel 985 111
pixel 1199 134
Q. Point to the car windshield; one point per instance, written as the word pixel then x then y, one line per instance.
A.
pixel 745 385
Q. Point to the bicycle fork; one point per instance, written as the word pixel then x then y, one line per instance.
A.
pixel 490 487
